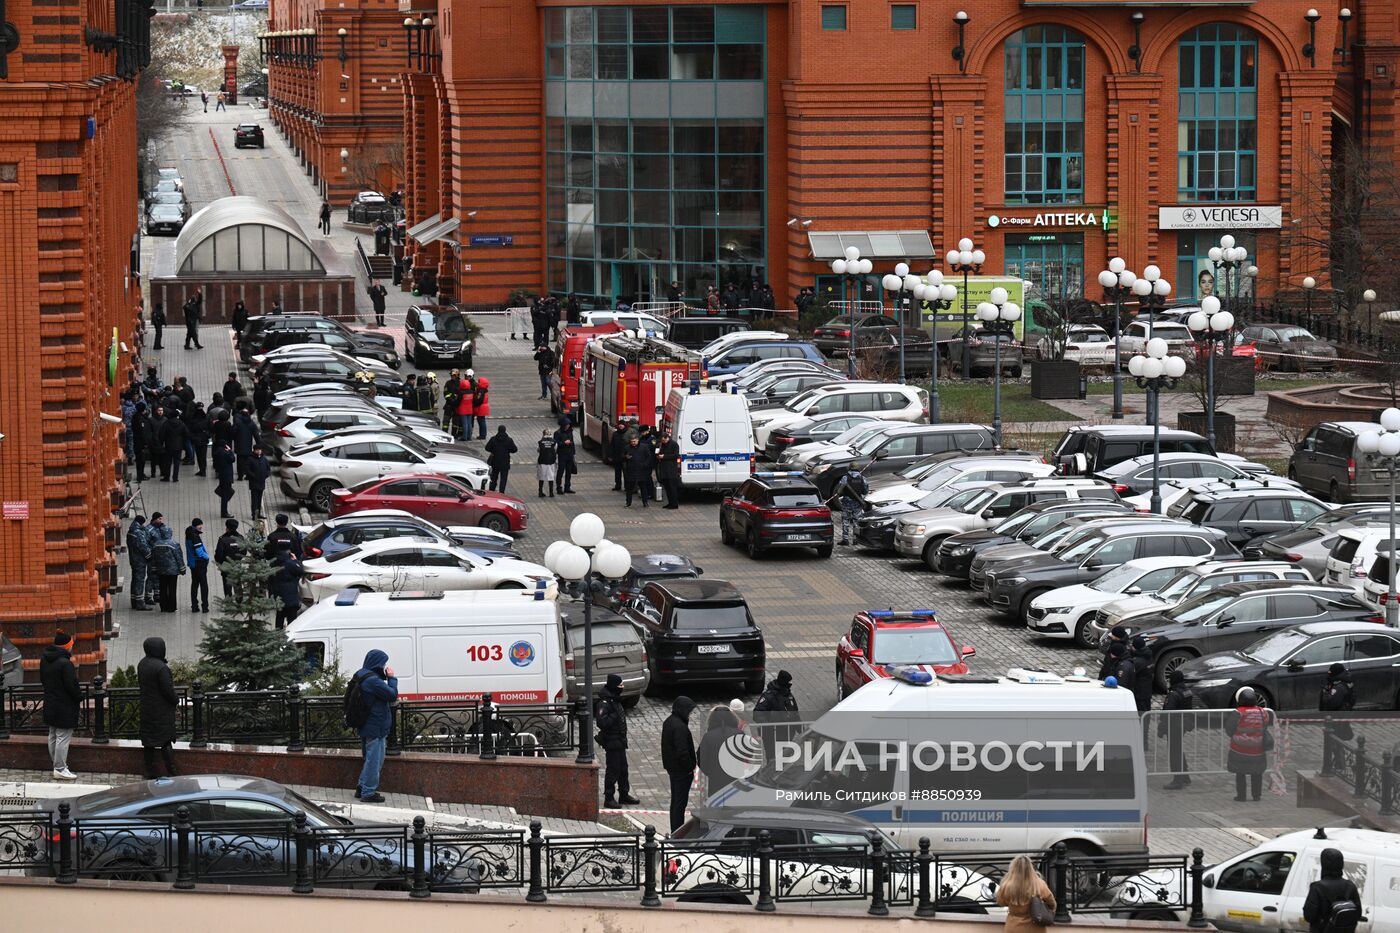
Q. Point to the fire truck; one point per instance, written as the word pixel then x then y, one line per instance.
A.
pixel 565 390
pixel 630 377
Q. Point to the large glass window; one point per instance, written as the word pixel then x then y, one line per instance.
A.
pixel 1197 276
pixel 655 150
pixel 1052 262
pixel 1044 134
pixel 1216 123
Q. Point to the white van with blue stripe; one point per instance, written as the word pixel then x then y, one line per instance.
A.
pixel 715 435
pixel 974 763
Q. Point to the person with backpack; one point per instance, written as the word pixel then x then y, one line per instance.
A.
pixel 368 711
pixel 611 720
pixel 850 495
pixel 1333 904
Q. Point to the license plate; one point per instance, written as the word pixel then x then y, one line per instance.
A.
pixel 697 466
pixel 711 649
pixel 796 537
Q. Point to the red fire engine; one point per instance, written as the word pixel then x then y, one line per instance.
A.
pixel 630 377
pixel 565 390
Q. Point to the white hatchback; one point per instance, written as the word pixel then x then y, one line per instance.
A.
pixel 1067 612
pixel 400 565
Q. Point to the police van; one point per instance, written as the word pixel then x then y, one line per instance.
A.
pixel 453 645
pixel 975 763
pixel 715 435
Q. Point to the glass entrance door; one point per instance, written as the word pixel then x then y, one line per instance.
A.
pixel 1053 262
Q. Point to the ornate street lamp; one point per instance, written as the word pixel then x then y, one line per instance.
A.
pixel 1384 444
pixel 1211 326
pixel 1117 282
pixel 938 295
pixel 1151 291
pixel 851 269
pixel 968 261
pixel 995 315
pixel 1154 372
pixel 586 562
pixel 900 285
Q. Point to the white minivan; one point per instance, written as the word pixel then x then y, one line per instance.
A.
pixel 715 435
pixel 1022 762
pixel 444 646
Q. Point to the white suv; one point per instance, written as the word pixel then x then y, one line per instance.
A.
pixel 314 473
pixel 888 401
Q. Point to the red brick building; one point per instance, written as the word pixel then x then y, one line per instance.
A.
pixel 613 149
pixel 67 105
pixel 334 72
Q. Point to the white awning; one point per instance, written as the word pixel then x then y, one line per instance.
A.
pixel 440 232
pixel 873 244
pixel 428 224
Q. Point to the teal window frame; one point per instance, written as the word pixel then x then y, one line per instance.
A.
pixel 904 16
pixel 1045 259
pixel 1217 113
pixel 1043 139
pixel 835 17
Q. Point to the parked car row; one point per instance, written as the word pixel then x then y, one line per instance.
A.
pixel 167 208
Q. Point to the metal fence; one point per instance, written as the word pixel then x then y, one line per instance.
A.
pixel 285 717
pixel 297 852
pixel 1369 777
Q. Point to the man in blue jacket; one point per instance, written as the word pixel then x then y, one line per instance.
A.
pixel 380 688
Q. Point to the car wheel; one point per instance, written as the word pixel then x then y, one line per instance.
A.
pixel 840 686
pixel 128 870
pixel 1265 699
pixel 1293 474
pixel 824 551
pixel 752 545
pixel 725 537
pixel 510 585
pixel 1334 491
pixel 321 495
pixel 496 522
pixel 419 360
pixel 930 549
pixel 1024 606
pixel 1084 636
pixel 654 685
pixel 754 685
pixel 1168 662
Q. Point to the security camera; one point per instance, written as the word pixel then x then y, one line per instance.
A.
pixel 110 419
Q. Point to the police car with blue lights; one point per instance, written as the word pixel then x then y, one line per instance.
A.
pixel 882 642
pixel 776 510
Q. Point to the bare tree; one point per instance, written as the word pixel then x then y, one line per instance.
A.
pixel 157 113
pixel 368 162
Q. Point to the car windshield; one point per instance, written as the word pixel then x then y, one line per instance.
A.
pixel 801 399
pixel 940 498
pixel 974 502
pixel 1088 336
pixel 697 618
pixel 869 444
pixel 1180 584
pixel 1171 332
pixel 1117 580
pixel 165 210
pixel 450 326
pixel 1290 334
pixel 1276 647
pixel 852 435
pixel 939 476
pixel 1015 523
pixel 1075 551
pixel 913 646
pixel 1198 607
pixel 605 633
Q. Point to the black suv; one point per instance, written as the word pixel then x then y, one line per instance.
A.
pixel 896 449
pixel 694 333
pixel 697 631
pixel 772 510
pixel 1246 509
pixel 292 371
pixel 249 345
pixel 437 335
pixel 247 134
pixel 647 568
pixel 1086 449
pixel 352 345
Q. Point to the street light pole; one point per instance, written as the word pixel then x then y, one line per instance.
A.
pixel 1152 291
pixel 1154 372
pixel 894 284
pixel 851 268
pixel 587 561
pixel 1211 326
pixel 1384 444
pixel 1309 283
pixel 1117 284
pixel 938 295
pixel 995 314
pixel 968 261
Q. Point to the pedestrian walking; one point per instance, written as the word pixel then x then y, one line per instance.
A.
pixel 720 726
pixel 1174 725
pixel 219 103
pixel 197 559
pixel 611 720
pixel 617 453
pixel 173 435
pixel 498 452
pixel 238 322
pixel 567 453
pixel 165 560
pixel 678 756
pixel 223 471
pixel 1143 674
pixel 776 705
pixel 481 405
pixel 1027 898
pixel 1333 904
pixel 192 311
pixel 158 703
pixel 227 550
pixel 1250 740
pixel 367 700
pixel 158 322
pixel 62 700
pixel 377 293
pixel 466 400
pixel 851 491
pixel 638 463
pixel 325 223
pixel 257 471
pixel 283 584
pixel 1109 663
pixel 138 556
pixel 544 364
pixel 204 95
pixel 546 460
pixel 668 469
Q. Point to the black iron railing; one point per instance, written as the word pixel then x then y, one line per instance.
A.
pixel 1370 778
pixel 296 722
pixel 185 853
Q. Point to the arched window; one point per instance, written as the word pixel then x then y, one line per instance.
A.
pixel 1216 121
pixel 1045 116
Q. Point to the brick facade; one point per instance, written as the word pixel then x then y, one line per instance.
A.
pixel 874 128
pixel 69 224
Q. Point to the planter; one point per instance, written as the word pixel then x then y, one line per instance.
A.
pixel 1055 379
pixel 1224 427
pixel 1233 376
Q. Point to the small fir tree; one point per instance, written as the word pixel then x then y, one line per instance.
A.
pixel 241 650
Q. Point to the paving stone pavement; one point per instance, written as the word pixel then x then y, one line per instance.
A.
pixel 802 603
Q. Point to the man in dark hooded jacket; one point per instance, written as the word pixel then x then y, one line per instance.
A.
pixel 158 705
pixel 498 451
pixel 138 553
pixel 62 699
pixel 617 453
pixel 678 756
pixel 1325 908
pixel 1143 673
pixel 1174 727
pixel 775 704
pixel 611 720
pixel 720 727
pixel 639 460
pixel 380 688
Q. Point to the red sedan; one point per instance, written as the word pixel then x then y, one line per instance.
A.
pixel 435 497
pixel 879 643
